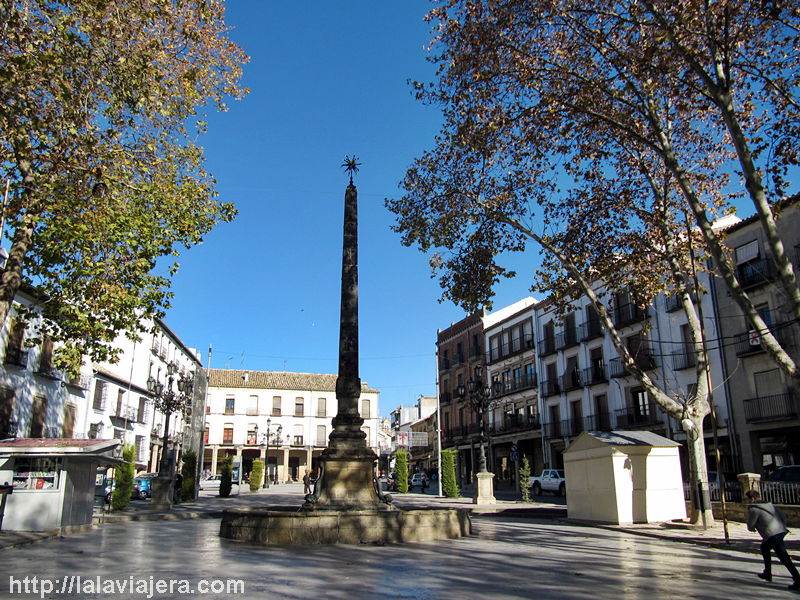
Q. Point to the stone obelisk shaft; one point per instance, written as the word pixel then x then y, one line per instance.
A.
pixel 347 478
pixel 348 383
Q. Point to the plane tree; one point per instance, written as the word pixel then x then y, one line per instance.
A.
pixel 101 104
pixel 612 135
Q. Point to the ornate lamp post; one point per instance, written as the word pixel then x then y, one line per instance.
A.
pixel 479 394
pixel 166 400
pixel 266 440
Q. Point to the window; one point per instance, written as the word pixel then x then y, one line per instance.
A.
pixel 141 415
pixel 120 403
pixel 299 407
pixel 227 434
pixel 230 404
pixel 322 437
pixel 365 409
pixel 322 409
pixel 46 357
pixel 70 412
pixel 141 449
pixel 100 395
pixel 276 406
pixel 768 383
pixel 7 413
pixel 38 417
pixel 746 252
pixel 15 355
pixel 252 405
pixel 297 440
pixel 251 434
pixel 366 433
pixel 641 404
pixel 95 431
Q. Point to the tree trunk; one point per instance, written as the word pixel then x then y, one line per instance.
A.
pixel 698 475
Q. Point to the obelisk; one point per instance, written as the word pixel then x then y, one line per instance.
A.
pixel 347 480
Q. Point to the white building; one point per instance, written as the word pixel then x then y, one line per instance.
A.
pixel 244 405
pixel 105 401
pixel 584 387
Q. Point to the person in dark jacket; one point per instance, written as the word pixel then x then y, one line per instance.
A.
pixel 770 522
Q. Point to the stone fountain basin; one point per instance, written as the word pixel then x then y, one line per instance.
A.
pixel 276 527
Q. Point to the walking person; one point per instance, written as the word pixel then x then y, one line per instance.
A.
pixel 306 483
pixel 770 522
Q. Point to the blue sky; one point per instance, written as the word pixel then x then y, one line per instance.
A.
pixel 327 79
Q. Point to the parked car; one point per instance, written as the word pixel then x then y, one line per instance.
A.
pixel 212 483
pixel 786 474
pixel 551 480
pixel 418 479
pixel 144 486
pixel 110 484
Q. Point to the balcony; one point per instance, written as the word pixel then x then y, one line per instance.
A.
pixel 749 342
pixel 321 442
pixel 297 440
pixel 16 357
pixel 772 408
pixel 571 380
pixel 552 430
pixel 549 388
pixel 572 427
pixel 566 339
pixel 643 360
pixel 444 364
pixel 517 384
pixel 445 398
pixel 590 330
pixel 628 314
pixel 599 422
pixel 638 416
pixel 81 382
pixel 515 346
pixel 755 273
pixel 683 360
pixel 595 374
pixel 514 422
pixel 547 346
pixel 675 302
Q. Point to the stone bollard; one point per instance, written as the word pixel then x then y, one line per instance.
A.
pixel 749 481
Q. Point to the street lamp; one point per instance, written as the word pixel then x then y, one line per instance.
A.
pixel 479 395
pixel 168 401
pixel 266 439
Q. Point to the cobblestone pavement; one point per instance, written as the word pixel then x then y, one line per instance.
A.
pixel 512 554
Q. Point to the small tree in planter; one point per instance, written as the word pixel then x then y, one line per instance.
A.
pixel 123 479
pixel 189 473
pixel 524 479
pixel 226 472
pixel 449 483
pixel 401 467
pixel 256 475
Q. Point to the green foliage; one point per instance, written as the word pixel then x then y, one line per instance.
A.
pixel 401 467
pixel 524 478
pixel 226 470
pixel 449 482
pixel 123 479
pixel 189 473
pixel 256 475
pixel 101 105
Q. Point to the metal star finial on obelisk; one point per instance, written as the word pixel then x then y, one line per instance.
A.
pixel 351 165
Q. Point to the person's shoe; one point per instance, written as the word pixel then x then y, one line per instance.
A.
pixel 795 586
pixel 765 576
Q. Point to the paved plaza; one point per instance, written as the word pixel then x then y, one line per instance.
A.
pixel 507 557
